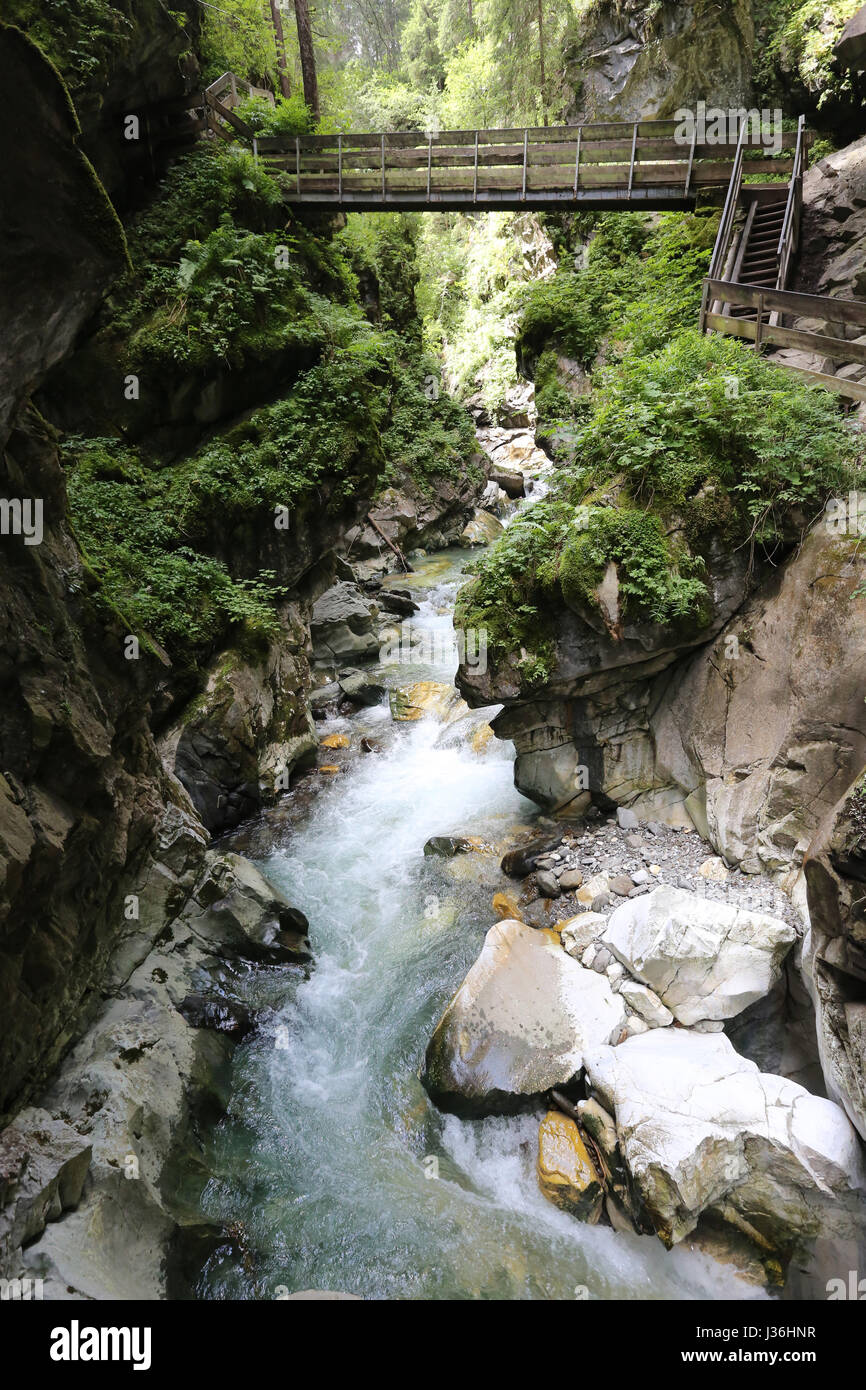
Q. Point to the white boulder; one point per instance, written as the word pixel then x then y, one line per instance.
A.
pixel 702 1128
pixel 520 1023
pixel 704 959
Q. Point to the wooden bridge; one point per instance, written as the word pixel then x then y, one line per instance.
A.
pixel 641 165
pixel 638 165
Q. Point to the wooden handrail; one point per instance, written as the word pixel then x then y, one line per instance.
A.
pixel 816 306
pixel 720 250
pixel 796 173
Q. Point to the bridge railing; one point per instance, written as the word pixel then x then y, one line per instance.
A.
pixel 632 161
pixel 766 329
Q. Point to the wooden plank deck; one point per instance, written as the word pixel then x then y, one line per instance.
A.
pixel 599 165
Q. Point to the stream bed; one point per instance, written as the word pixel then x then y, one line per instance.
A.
pixel 332 1170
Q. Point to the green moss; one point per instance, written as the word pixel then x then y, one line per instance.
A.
pixel 660 582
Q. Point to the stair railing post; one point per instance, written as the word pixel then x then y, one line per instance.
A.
pixel 759 329
pixel 577 160
pixel 383 167
pixel 704 297
pixel 298 163
pixel 340 168
pixel 525 157
pixel 475 172
pixel 633 153
pixel 429 160
pixel 691 162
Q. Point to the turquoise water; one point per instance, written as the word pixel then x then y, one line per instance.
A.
pixel 332 1168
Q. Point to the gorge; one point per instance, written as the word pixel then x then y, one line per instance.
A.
pixel 433 730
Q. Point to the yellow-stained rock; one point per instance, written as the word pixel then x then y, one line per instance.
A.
pixel 480 740
pixel 566 1173
pixel 329 768
pixel 426 697
pixel 335 741
pixel 506 907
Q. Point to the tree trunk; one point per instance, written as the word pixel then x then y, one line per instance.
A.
pixel 308 57
pixel 541 60
pixel 280 40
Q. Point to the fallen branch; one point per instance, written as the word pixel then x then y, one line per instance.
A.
pixel 396 549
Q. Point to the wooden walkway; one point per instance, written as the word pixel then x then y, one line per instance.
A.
pixel 745 294
pixel 641 165
pixel 628 165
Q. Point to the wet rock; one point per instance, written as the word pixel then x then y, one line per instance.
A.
pixel 548 886
pixel 341 625
pixel 398 601
pixel 482 529
pixel 211 1011
pixel 511 482
pixel 446 846
pixel 236 906
pixel 702 1130
pixel 360 688
pixel 518 1025
pixel 324 695
pixel 335 741
pixel 703 959
pixel 566 1173
pixel 520 862
pixel 238 742
pixel 506 908
pixel 426 697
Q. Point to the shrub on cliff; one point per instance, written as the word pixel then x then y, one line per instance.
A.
pixel 698 448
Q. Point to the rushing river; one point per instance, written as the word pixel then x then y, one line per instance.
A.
pixel 332 1169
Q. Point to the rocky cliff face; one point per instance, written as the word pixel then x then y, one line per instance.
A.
pixel 82 787
pixel 633 60
pixel 835 954
pixel 752 739
pixel 101 853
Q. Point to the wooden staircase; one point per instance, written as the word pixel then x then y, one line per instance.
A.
pixel 758 260
pixel 746 295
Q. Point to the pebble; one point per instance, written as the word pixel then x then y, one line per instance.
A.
pixel 621 885
pixel 547 884
pixel 571 878
pixel 713 869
